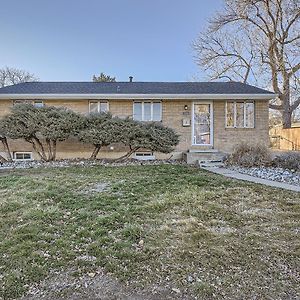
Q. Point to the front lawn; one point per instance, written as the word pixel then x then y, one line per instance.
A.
pixel 197 234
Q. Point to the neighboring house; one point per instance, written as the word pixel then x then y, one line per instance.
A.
pixel 210 117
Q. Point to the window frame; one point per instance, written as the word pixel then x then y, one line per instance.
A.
pixel 98 106
pixel 235 114
pixel 23 153
pixel 143 116
pixel 144 155
pixel 34 102
pixel 21 101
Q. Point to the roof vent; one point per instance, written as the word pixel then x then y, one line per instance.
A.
pixel 130 78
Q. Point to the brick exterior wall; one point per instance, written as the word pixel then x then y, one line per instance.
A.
pixel 173 113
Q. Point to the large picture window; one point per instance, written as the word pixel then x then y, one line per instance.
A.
pixel 240 114
pixel 147 111
pixel 98 107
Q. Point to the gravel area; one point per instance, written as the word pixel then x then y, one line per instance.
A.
pixel 271 173
pixel 83 163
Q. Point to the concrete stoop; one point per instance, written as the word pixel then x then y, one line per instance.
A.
pixel 203 156
pixel 210 164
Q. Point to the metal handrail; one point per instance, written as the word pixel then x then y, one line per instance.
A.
pixel 294 145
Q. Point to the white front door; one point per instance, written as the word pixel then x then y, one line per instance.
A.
pixel 202 131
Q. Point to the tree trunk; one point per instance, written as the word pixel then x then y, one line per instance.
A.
pixel 6 148
pixel 287 110
pixel 53 158
pixel 95 152
pixel 286 119
pixel 48 143
pixel 127 154
pixel 40 152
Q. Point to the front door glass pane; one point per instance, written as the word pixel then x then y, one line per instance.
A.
pixel 202 124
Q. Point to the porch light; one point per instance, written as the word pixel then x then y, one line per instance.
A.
pixel 185 107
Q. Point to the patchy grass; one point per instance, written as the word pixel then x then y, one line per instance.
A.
pixel 200 234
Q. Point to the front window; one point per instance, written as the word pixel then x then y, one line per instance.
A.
pixel 240 114
pixel 98 107
pixel 147 111
pixel 36 103
pixel 16 102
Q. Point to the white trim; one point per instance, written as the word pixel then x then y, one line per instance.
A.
pixel 211 123
pixel 141 96
pixel 151 107
pixel 144 155
pixel 39 101
pixel 234 115
pixel 22 152
pixel 99 105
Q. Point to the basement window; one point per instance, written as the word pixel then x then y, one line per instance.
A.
pixel 38 103
pixel 22 156
pixel 144 156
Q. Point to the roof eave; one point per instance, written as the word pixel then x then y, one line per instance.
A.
pixel 140 96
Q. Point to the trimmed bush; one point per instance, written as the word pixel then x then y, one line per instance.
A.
pixel 288 160
pixel 100 130
pixel 249 156
pixel 42 127
pixel 152 136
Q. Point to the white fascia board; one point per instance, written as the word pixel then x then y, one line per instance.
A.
pixel 141 96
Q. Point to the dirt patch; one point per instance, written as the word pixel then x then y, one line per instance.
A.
pixel 94 286
pixel 95 188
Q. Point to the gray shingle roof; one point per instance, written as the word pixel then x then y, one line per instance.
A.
pixel 132 88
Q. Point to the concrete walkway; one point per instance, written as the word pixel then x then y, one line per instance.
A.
pixel 233 174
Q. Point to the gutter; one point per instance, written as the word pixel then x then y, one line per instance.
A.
pixel 140 96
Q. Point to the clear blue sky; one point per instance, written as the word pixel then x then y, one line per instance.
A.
pixel 71 40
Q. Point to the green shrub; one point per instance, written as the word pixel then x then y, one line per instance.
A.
pixel 42 127
pixel 100 130
pixel 249 156
pixel 152 136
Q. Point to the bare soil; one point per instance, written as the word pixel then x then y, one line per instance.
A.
pixel 95 286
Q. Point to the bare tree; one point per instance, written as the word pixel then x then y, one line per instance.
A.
pixel 9 76
pixel 256 41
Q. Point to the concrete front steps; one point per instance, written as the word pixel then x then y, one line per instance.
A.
pixel 203 156
pixel 210 164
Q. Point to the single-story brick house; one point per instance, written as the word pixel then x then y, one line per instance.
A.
pixel 210 117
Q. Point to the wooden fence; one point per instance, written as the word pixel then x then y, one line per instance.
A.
pixel 285 139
